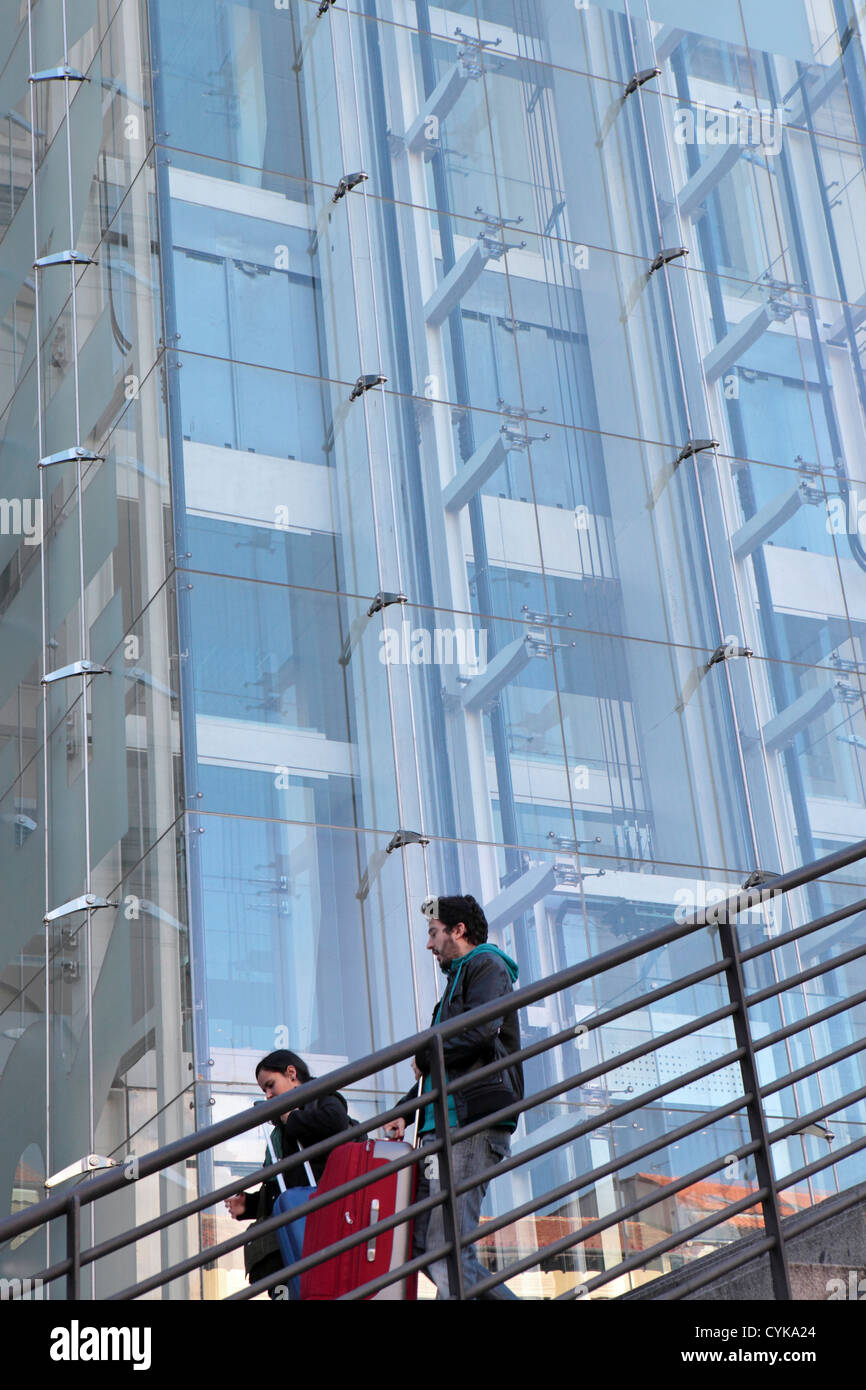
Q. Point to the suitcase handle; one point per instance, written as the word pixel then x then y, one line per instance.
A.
pixel 374 1217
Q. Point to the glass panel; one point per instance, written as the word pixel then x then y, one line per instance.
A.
pixel 231 87
pixel 274 697
pixel 291 949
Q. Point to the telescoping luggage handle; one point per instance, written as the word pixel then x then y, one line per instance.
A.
pixel 374 1205
pixel 281 1182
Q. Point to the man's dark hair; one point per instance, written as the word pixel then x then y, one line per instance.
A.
pixel 463 908
pixel 281 1060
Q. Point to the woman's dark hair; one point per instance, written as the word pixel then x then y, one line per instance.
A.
pixel 281 1060
pixel 463 908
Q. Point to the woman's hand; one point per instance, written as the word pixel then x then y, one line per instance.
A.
pixel 395 1129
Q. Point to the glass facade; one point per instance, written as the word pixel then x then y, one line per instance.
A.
pixel 446 432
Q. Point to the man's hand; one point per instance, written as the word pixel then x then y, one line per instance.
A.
pixel 395 1129
pixel 235 1205
pixel 417 1071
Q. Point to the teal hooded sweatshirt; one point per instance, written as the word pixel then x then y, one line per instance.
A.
pixel 428 1122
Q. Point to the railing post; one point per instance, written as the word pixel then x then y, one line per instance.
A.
pixel 445 1158
pixel 729 945
pixel 73 1247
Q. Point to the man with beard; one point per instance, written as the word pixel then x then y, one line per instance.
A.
pixel 476 972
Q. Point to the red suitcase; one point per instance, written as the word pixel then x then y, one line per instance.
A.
pixel 363 1208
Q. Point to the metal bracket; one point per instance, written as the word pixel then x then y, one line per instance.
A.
pixel 517 412
pixel 347 182
pixel 472 50
pixel 71 455
pixel 63 258
pixel 544 646
pixel 60 74
pixel 87 900
pixel 401 838
pixel 398 840
pixel 695 446
pixel 664 257
pixel 384 599
pixel 758 877
pixel 91 1163
pixel 562 842
pixel 812 496
pixel 77 668
pixel 846 694
pixel 529 615
pixel 570 877
pixel 366 383
pixel 496 247
pixel 518 440
pixel 645 75
pixel 724 653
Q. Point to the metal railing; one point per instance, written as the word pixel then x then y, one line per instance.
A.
pixel 726 968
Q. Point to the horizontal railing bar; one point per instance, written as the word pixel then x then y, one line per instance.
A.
pixel 409 1106
pixel 324 1147
pixel 177 1214
pixel 53 1207
pixel 554 984
pixel 274 1223
pixel 778 885
pixel 829 1059
pixel 418 1265
pixel 820 1164
pixel 568 1242
pixel 671 1242
pixel 190 1145
pixel 339 1247
pixel 781 884
pixel 805 1220
pixel 213 1252
pixel 810 1021
pixel 595 1021
pixel 625 1160
pixel 720 1268
pixel 616 1218
pixel 261 1175
pixel 823 967
pixel 625 1108
pixel 178 1152
pixel 830 1108
pixel 633 1054
pixel 798 932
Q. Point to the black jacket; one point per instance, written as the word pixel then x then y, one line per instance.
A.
pixel 482 978
pixel 302 1128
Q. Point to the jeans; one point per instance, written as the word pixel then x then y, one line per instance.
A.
pixel 470 1156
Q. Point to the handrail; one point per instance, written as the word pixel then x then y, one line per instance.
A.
pixel 728 968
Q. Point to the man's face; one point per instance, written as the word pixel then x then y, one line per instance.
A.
pixel 446 945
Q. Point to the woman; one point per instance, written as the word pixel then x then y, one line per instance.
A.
pixel 277 1074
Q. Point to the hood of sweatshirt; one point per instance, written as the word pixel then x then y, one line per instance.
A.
pixel 456 965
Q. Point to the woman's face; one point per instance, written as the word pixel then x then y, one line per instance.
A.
pixel 275 1083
